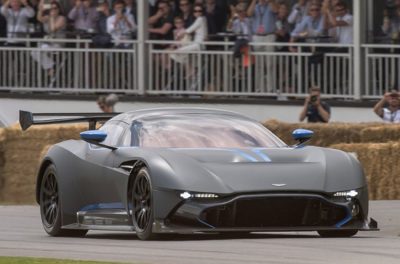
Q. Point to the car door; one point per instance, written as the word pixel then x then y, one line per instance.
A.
pixel 99 180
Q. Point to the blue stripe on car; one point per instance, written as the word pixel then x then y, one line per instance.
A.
pixel 262 154
pixel 103 206
pixel 345 220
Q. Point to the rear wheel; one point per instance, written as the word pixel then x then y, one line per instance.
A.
pixel 337 233
pixel 50 209
pixel 142 201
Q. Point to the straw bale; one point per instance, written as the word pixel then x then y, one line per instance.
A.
pixel 22 153
pixel 381 133
pixel 324 134
pixel 381 165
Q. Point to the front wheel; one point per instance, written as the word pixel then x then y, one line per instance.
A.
pixel 50 206
pixel 337 233
pixel 142 201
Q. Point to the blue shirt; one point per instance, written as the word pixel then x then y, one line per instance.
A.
pixel 264 16
pixel 314 27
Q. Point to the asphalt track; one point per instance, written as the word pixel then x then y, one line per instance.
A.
pixel 21 234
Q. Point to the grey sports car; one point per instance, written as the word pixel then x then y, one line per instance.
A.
pixel 195 170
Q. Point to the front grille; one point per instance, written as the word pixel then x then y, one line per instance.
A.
pixel 274 212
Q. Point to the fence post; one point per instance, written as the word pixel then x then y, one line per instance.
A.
pixel 359 33
pixel 142 51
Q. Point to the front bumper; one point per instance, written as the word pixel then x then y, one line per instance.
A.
pixel 266 213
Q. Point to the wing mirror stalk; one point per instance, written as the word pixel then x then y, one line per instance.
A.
pixel 95 137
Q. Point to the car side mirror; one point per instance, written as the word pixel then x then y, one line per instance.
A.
pixel 302 136
pixel 96 137
pixel 93 136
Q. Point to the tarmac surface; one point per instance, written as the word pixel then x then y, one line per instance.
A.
pixel 21 234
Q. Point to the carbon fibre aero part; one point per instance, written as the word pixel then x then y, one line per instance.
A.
pixel 187 170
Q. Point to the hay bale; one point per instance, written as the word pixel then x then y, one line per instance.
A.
pixel 324 134
pixel 381 165
pixel 23 152
pixel 382 133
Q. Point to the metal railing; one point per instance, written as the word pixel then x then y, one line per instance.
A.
pixel 77 67
pixel 382 69
pixel 213 70
pixel 68 65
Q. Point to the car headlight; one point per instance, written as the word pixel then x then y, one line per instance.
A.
pixel 188 195
pixel 347 194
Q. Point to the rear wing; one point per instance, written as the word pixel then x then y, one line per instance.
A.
pixel 27 119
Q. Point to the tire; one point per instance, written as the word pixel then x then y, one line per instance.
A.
pixel 142 203
pixel 337 233
pixel 50 206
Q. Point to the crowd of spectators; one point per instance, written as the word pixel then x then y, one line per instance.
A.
pixel 262 20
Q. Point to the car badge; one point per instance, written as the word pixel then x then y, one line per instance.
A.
pixel 279 184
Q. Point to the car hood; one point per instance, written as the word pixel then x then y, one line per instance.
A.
pixel 257 170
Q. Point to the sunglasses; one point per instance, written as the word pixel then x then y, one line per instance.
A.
pixel 197 11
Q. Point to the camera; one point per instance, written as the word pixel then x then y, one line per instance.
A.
pixel 313 99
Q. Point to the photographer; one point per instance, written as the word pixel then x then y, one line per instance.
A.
pixel 314 109
pixel 391 113
pixel 17 14
pixel 120 25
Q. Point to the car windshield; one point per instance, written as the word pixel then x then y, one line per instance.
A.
pixel 202 131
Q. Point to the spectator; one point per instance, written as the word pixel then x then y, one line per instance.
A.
pixel 342 23
pixel 299 11
pixel 263 13
pixel 131 9
pixel 107 103
pixel 102 39
pixel 391 25
pixel 179 32
pixel 84 16
pixel 391 113
pixel 241 26
pixel 216 17
pixel 162 22
pixel 54 24
pixel 120 25
pixel 17 17
pixel 282 26
pixel 103 14
pixel 314 109
pixel 311 26
pixel 199 30
pixel 185 11
pixel 3 28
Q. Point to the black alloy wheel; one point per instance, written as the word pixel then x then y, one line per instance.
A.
pixel 49 200
pixel 142 201
pixel 337 233
pixel 50 206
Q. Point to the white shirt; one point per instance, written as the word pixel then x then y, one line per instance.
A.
pixel 199 28
pixel 390 117
pixel 17 21
pixel 122 29
pixel 298 13
pixel 345 34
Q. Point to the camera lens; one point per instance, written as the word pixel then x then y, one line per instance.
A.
pixel 313 98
